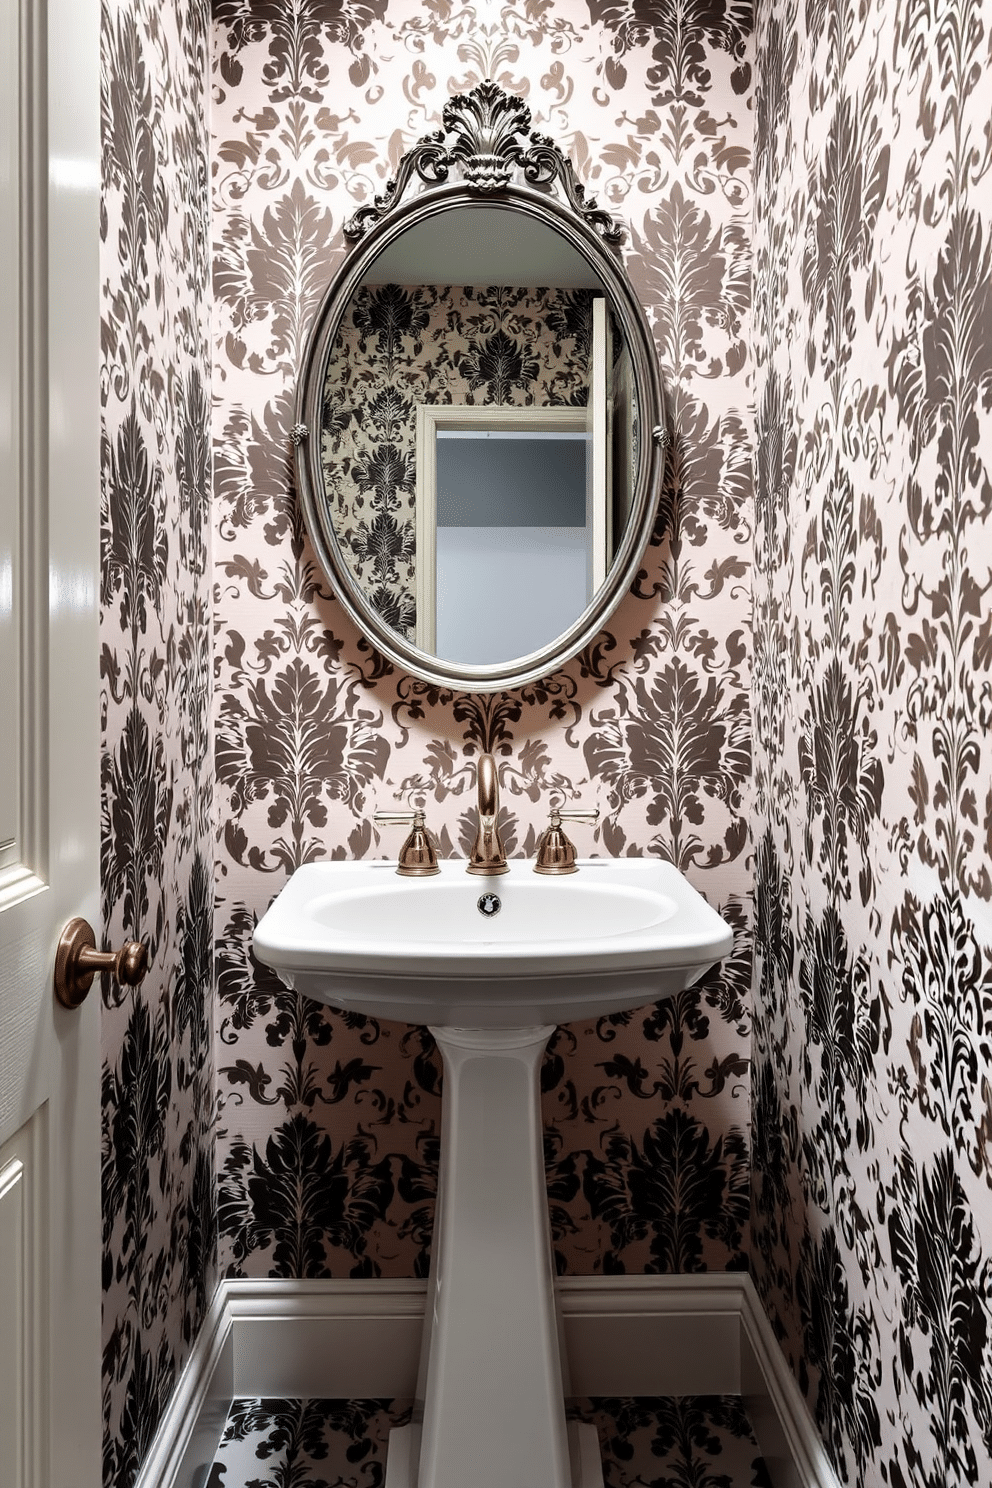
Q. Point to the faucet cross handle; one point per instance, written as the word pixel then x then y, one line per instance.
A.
pixel 417 858
pixel 555 853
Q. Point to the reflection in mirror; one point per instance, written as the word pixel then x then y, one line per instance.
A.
pixel 505 530
pixel 472 318
pixel 505 349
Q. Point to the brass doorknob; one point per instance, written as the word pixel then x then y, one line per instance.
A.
pixel 77 962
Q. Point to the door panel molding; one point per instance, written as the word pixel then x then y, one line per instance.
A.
pixel 23 1291
pixel 435 418
pixel 49 779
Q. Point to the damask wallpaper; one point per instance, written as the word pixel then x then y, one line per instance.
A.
pixel 872 1104
pixel 328 1124
pixel 402 345
pixel 869 1112
pixel 159 1263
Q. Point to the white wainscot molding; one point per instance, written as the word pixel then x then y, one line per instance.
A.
pixel 705 1334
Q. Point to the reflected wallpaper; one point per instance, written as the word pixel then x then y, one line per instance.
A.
pixel 329 1124
pixel 402 345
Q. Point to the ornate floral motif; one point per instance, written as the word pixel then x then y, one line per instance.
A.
pixel 487 126
pixel 873 225
pixel 647 1114
pixel 314 106
pixel 157 771
pixel 694 1440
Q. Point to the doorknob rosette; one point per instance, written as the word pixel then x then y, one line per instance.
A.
pixel 77 962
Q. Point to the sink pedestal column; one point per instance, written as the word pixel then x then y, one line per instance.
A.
pixel 490 1409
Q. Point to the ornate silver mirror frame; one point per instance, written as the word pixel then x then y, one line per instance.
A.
pixel 486 140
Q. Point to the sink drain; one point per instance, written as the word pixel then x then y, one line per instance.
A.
pixel 490 904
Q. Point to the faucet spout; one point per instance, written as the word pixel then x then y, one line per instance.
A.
pixel 488 785
pixel 487 856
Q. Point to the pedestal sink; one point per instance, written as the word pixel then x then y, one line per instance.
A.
pixel 491 966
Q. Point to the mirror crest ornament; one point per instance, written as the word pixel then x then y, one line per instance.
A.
pixel 487 125
pixel 485 158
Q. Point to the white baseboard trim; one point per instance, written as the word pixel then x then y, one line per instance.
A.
pixel 336 1339
pixel 194 1419
pixel 624 1335
pixel 789 1441
pixel 652 1335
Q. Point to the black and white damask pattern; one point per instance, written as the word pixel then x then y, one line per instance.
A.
pixel 872 1115
pixel 692 1442
pixel 281 1443
pixel 159 1201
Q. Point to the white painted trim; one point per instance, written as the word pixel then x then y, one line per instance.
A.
pixel 704 1292
pixel 652 1335
pixel 647 1335
pixel 190 1430
pixel 786 1433
pixel 336 1339
pixel 625 1335
pixel 23 1297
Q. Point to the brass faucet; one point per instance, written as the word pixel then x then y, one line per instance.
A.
pixel 487 855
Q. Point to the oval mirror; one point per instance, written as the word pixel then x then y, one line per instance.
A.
pixel 479 430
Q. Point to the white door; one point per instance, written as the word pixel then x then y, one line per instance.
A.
pixel 50 1418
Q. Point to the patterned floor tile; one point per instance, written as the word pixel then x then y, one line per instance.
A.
pixel 687 1442
pixel 305 1443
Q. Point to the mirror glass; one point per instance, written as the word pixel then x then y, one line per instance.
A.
pixel 474 475
pixel 511 502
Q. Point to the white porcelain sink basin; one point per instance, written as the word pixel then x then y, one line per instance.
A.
pixel 617 934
